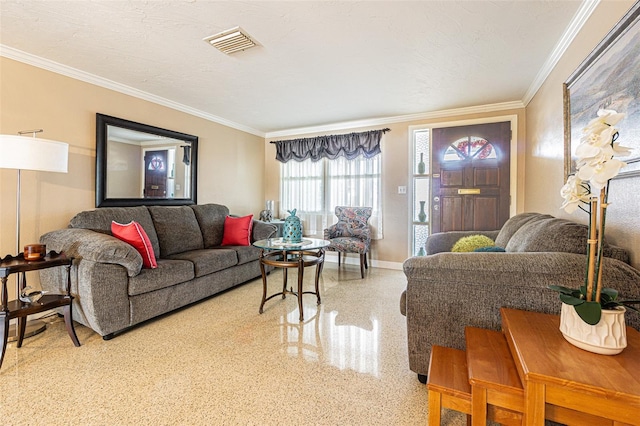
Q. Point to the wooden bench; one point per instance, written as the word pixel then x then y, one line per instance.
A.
pixel 449 387
pixel 493 377
pixel 448 383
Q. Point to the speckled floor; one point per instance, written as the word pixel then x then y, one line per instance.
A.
pixel 219 362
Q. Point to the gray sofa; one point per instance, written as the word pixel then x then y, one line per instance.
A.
pixel 448 291
pixel 112 292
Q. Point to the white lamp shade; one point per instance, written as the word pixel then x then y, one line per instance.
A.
pixel 27 153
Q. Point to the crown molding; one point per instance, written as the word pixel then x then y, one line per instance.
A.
pixel 36 61
pixel 584 12
pixel 398 119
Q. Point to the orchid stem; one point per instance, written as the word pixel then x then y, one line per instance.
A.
pixel 592 242
pixel 603 210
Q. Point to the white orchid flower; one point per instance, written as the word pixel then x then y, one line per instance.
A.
pixel 619 150
pixel 606 136
pixel 599 173
pixel 606 118
pixel 596 151
pixel 587 150
pixel 574 193
pixel 611 117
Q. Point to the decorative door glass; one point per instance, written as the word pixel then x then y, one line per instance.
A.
pixel 421 182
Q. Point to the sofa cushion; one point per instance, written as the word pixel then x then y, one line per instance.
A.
pixel 207 261
pixel 550 235
pixel 490 249
pixel 211 220
pixel 514 223
pixel 247 254
pixel 472 242
pixel 177 228
pixel 132 233
pixel 169 272
pixel 100 220
pixel 237 231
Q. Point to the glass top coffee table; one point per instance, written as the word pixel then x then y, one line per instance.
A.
pixel 279 254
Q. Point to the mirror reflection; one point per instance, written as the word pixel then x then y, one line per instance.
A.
pixel 143 165
pixel 138 164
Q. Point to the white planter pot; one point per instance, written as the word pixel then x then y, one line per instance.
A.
pixel 607 337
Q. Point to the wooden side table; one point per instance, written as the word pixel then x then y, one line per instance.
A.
pixel 19 309
pixel 557 374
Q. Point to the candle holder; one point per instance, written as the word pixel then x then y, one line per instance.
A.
pixel 35 251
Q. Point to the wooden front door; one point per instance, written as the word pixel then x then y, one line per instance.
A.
pixel 470 177
pixel 155 174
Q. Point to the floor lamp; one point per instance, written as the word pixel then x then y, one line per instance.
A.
pixel 30 153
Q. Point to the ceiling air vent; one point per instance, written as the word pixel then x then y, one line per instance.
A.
pixel 231 41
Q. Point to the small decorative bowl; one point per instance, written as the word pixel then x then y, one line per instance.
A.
pixel 35 251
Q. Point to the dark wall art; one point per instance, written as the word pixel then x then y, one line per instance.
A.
pixel 608 78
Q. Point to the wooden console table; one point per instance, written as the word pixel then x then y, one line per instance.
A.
pixel 556 373
pixel 19 309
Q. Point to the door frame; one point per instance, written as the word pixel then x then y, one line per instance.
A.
pixel 514 184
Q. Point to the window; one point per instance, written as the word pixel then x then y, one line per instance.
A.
pixel 470 147
pixel 316 188
pixel 421 183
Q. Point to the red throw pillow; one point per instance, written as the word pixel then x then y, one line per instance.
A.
pixel 135 235
pixel 237 231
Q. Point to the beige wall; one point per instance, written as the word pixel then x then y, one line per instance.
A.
pixel 393 249
pixel 545 143
pixel 124 173
pixel 239 169
pixel 231 162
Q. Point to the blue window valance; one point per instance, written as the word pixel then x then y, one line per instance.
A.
pixel 350 145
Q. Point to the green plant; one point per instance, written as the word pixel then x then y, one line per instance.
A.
pixel 591 311
pixel 588 190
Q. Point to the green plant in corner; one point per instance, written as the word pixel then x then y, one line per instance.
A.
pixel 588 190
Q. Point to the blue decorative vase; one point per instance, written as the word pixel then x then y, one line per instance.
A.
pixel 292 231
pixel 422 216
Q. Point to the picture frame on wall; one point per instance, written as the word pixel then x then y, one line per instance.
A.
pixel 608 78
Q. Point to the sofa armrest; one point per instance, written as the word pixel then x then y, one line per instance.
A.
pixel 100 294
pixel 94 246
pixel 444 241
pixel 330 232
pixel 262 230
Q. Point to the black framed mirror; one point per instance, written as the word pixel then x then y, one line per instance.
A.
pixel 138 164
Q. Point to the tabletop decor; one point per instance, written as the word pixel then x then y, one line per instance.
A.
pixel 35 251
pixel 588 190
pixel 292 232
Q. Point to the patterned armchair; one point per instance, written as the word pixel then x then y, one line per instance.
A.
pixel 351 234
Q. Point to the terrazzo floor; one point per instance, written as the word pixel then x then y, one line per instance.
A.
pixel 219 362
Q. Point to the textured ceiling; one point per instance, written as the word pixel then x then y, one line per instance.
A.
pixel 319 62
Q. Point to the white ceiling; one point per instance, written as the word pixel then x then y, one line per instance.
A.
pixel 320 62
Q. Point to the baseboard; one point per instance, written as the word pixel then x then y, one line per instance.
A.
pixel 354 259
